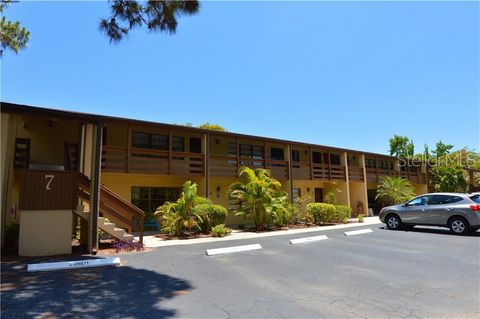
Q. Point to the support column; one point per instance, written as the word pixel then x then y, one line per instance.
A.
pixel 290 171
pixel 206 163
pixel 345 160
pixel 95 187
pixel 362 160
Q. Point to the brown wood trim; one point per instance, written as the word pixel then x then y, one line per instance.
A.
pixel 170 140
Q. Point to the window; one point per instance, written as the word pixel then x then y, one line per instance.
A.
pixel 370 163
pixel 150 141
pixel 150 198
pixel 178 144
pixel 476 198
pixel 251 151
pixel 195 145
pixel 443 199
pixel 296 194
pixel 419 201
pixel 334 159
pixel 317 157
pixel 383 164
pixel 232 149
pixel 295 156
pixel 277 154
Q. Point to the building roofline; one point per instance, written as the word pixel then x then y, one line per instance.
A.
pixel 7 107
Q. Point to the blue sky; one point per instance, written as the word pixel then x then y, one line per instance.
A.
pixel 342 74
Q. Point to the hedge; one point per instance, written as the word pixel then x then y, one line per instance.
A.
pixel 323 213
pixel 212 215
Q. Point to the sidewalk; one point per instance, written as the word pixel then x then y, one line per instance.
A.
pixel 151 241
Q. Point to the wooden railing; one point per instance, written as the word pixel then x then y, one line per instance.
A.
pixel 355 173
pixel 227 166
pixel 307 171
pixel 113 206
pixel 138 160
pixel 373 175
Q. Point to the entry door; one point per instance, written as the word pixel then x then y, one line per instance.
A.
pixel 416 211
pixel 318 195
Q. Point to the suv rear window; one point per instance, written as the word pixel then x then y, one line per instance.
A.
pixel 475 198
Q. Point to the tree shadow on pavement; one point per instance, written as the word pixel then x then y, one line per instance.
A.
pixel 103 292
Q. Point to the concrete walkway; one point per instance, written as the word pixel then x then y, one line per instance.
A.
pixel 151 241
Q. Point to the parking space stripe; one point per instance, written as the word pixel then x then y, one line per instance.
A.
pixel 358 232
pixel 307 239
pixel 234 249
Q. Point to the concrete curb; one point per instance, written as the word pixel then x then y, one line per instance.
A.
pixel 153 242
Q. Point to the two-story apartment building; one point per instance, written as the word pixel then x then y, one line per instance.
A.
pixel 64 171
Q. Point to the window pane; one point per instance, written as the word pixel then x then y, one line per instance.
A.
pixel 475 198
pixel 159 142
pixel 295 155
pixel 334 159
pixel 232 149
pixel 296 193
pixel 245 150
pixel 178 144
pixel 317 157
pixel 195 145
pixel 141 140
pixel 277 154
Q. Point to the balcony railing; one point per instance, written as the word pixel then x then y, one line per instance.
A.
pixel 307 171
pixel 373 175
pixel 355 174
pixel 137 160
pixel 227 166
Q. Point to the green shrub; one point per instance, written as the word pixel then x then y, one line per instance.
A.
pixel 220 231
pixel 343 212
pixel 211 215
pixel 322 213
pixel 281 212
pixel 345 220
pixel 361 218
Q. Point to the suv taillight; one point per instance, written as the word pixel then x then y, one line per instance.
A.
pixel 475 207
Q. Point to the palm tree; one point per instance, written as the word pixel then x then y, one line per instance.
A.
pixel 394 190
pixel 176 216
pixel 255 195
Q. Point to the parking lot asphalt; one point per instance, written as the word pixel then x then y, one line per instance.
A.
pixel 423 273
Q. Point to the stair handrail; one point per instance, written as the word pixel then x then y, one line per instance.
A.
pixel 128 211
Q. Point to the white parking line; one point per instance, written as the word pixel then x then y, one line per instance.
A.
pixel 358 232
pixel 307 239
pixel 234 249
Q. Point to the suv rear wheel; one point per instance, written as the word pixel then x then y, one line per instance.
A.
pixel 459 226
pixel 393 222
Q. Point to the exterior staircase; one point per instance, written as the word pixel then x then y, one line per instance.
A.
pixel 105 225
pixel 118 217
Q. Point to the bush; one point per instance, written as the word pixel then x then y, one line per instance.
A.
pixel 345 220
pixel 322 213
pixel 361 218
pixel 211 215
pixel 281 212
pixel 343 212
pixel 220 231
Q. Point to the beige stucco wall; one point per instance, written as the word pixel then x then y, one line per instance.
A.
pixel 358 194
pixel 45 233
pixel 421 188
